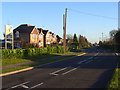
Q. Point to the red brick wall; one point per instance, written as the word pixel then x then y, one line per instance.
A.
pixel 34 40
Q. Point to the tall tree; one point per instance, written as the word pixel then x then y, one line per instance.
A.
pixel 75 40
pixel 117 41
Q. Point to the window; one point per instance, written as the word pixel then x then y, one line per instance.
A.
pixel 34 35
pixel 48 42
pixel 50 37
pixel 47 36
pixel 40 36
pixel 17 34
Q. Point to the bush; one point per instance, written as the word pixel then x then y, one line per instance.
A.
pixel 22 53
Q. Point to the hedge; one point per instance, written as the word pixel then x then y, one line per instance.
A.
pixel 21 53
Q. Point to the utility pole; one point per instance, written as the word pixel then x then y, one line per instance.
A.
pixel 5 38
pixel 64 28
pixel 12 40
pixel 102 36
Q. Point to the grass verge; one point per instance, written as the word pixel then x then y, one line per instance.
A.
pixel 36 63
pixel 6 62
pixel 115 81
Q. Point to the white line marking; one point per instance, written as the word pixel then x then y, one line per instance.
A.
pixel 53 73
pixel 24 86
pixel 81 61
pixel 70 70
pixel 36 85
pixel 90 58
pixel 20 84
pixel 116 54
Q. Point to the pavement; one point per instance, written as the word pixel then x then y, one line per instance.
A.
pixel 92 70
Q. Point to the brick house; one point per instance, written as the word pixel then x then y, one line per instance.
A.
pixel 28 34
pixel 41 37
pixel 54 38
pixel 22 35
pixel 47 40
pixel 59 39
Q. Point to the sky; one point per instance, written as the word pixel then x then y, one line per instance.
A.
pixel 83 18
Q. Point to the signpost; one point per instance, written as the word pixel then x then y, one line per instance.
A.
pixel 9 35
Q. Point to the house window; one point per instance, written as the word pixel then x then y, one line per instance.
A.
pixel 34 35
pixel 47 36
pixel 50 37
pixel 40 36
pixel 48 42
pixel 17 34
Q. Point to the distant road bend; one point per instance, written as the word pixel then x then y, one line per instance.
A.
pixel 92 70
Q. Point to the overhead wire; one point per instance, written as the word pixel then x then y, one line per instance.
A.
pixel 91 14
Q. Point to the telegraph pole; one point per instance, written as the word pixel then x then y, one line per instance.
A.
pixel 64 28
pixel 5 38
pixel 102 36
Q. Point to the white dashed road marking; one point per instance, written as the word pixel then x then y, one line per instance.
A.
pixel 90 58
pixel 81 61
pixel 24 86
pixel 20 84
pixel 36 85
pixel 54 73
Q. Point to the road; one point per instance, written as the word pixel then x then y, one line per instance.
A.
pixel 92 70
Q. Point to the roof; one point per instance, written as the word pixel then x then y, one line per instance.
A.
pixel 58 37
pixel 40 29
pixel 45 32
pixel 50 32
pixel 24 28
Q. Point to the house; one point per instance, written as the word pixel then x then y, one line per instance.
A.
pixel 59 39
pixel 54 38
pixel 41 37
pixel 47 39
pixel 22 35
pixel 27 34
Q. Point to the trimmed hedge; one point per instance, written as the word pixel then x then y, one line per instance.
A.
pixel 21 53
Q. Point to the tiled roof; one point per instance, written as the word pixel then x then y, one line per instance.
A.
pixel 58 37
pixel 24 28
pixel 40 29
pixel 45 32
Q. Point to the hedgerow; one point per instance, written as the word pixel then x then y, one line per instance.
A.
pixel 21 53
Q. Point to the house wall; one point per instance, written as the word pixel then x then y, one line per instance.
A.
pixel 22 40
pixel 41 39
pixel 47 39
pixel 34 40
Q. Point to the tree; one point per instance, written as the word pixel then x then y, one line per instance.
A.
pixel 117 41
pixel 75 40
pixel 113 33
pixel 69 38
pixel 83 41
pixel 100 43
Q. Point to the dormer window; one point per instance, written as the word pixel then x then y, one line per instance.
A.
pixel 17 34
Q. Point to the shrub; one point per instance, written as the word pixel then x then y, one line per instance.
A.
pixel 22 53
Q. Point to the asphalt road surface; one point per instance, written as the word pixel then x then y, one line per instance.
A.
pixel 92 70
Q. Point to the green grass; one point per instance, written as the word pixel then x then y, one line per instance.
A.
pixel 6 62
pixel 36 63
pixel 115 81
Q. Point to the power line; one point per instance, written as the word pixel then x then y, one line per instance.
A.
pixel 91 14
